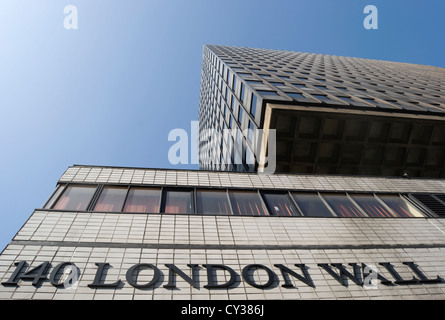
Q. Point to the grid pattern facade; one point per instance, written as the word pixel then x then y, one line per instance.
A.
pixel 238 82
pixel 191 178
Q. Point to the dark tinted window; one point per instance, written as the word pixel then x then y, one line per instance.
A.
pixel 372 206
pixel 400 206
pixel 279 204
pixel 247 203
pixel 212 202
pixel 311 205
pixel 342 206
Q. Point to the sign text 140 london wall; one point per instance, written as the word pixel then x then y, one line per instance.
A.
pixel 219 276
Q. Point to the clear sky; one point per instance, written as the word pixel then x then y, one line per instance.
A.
pixel 109 92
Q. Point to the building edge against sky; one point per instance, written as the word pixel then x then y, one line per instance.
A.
pixel 332 223
pixel 332 115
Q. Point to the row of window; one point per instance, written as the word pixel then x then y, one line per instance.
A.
pixel 134 199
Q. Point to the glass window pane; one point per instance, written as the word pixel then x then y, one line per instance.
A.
pixel 177 201
pixel 267 93
pixel 253 105
pixel 54 197
pixel 279 204
pixel 241 95
pixel 143 200
pixel 75 198
pixel 311 205
pixel 111 199
pixel 371 205
pixel 247 203
pixel 212 202
pixel 400 206
pixel 342 206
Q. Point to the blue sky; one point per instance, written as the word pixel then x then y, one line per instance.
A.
pixel 109 92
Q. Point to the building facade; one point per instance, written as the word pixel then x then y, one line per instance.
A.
pixel 132 233
pixel 354 208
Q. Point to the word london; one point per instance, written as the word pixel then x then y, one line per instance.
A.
pixel 66 275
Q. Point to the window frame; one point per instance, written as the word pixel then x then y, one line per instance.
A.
pixel 316 193
pixel 142 187
pixel 226 192
pixel 284 193
pixel 192 190
pixel 261 200
pixel 407 197
pixel 94 204
pixel 69 185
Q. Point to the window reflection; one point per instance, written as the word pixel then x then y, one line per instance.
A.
pixel 372 206
pixel 177 201
pixel 212 202
pixel 400 206
pixel 247 203
pixel 311 205
pixel 75 198
pixel 54 197
pixel 143 200
pixel 111 199
pixel 342 206
pixel 279 204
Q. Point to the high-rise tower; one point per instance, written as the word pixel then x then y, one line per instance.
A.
pixel 332 115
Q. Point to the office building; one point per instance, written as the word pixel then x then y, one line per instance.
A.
pixel 332 115
pixel 354 209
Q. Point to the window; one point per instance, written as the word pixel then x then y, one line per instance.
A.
pixel 372 206
pixel 311 205
pixel 320 97
pixel 279 204
pixel 346 99
pixel 54 197
pixel 111 199
pixel 278 84
pixel 247 203
pixel 434 202
pixel 368 100
pixel 75 198
pixel 143 200
pixel 267 93
pixel 177 201
pixel 254 81
pixel 400 206
pixel 241 94
pixel 253 105
pixel 342 206
pixel 295 95
pixel 212 202
pixel 240 114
